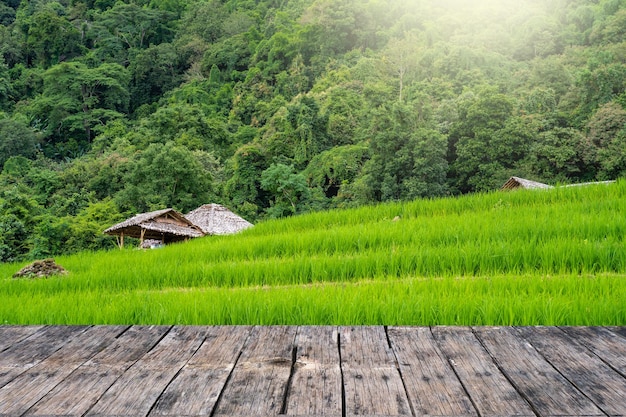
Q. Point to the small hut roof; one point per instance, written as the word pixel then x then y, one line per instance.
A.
pixel 215 219
pixel 516 182
pixel 154 229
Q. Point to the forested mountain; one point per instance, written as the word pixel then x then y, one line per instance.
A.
pixel 276 107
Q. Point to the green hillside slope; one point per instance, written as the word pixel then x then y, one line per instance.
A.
pixel 109 108
pixel 528 257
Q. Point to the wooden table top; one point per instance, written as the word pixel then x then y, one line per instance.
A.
pixel 311 371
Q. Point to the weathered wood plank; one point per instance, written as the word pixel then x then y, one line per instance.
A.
pixel 20 394
pixel 316 381
pixel 259 381
pixel 620 331
pixel 137 390
pixel 604 386
pixel 196 389
pixel 607 345
pixel 549 393
pixel 77 393
pixel 488 388
pixel 371 378
pixel 10 335
pixel 30 351
pixel 432 386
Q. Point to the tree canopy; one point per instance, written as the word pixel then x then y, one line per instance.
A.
pixel 275 108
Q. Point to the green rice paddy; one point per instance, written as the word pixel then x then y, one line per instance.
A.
pixel 543 257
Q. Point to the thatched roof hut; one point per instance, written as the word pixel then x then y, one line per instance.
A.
pixel 516 182
pixel 165 225
pixel 215 219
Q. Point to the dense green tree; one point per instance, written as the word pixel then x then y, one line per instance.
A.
pixel 17 218
pixel 408 159
pixel 243 188
pixel 137 27
pixel 50 38
pixel 165 176
pixel 474 136
pixel 75 101
pixel 606 133
pixel 335 168
pixel 287 189
pixel 559 154
pixel 154 71
pixel 16 138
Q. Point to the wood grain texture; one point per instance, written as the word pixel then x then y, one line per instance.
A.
pixel 543 386
pixel 75 395
pixel 620 331
pixel 371 378
pixel 603 385
pixel 20 394
pixel 309 371
pixel 196 389
pixel 28 352
pixel 259 381
pixel 431 384
pixel 316 382
pixel 138 389
pixel 10 335
pixel 607 345
pixel 488 388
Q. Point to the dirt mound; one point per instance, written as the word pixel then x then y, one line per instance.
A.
pixel 40 269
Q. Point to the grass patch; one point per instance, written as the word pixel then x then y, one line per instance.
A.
pixel 549 257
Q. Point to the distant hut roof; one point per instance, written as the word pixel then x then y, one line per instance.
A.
pixel 215 219
pixel 584 184
pixel 162 225
pixel 516 182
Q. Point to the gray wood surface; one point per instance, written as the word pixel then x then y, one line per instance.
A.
pixel 431 384
pixel 605 344
pixel 603 385
pixel 371 377
pixel 542 385
pixel 137 390
pixel 196 389
pixel 316 382
pixel 10 335
pixel 260 379
pixel 141 371
pixel 24 391
pixel 84 387
pixel 28 352
pixel 491 392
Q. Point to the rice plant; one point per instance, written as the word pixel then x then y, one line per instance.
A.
pixel 528 257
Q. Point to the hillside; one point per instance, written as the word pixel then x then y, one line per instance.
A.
pixel 550 257
pixel 274 108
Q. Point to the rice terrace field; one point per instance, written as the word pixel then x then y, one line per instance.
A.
pixel 542 257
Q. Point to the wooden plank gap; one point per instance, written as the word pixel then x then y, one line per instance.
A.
pixel 316 384
pixel 580 367
pixel 620 331
pixel 456 373
pixel 29 352
pixel 163 336
pixel 343 383
pixel 395 356
pixel 77 394
pixel 505 374
pixel 154 405
pixel 220 397
pixel 603 344
pixel 136 391
pixel 294 353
